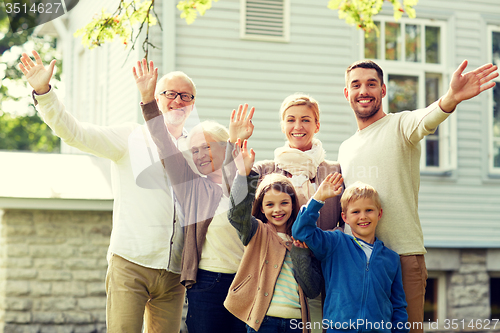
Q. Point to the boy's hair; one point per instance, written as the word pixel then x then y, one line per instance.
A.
pixel 357 191
pixel 367 64
pixel 279 183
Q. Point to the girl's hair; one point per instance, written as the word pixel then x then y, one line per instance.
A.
pixel 216 131
pixel 279 183
pixel 300 99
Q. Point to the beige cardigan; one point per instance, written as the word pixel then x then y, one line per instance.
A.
pixel 252 289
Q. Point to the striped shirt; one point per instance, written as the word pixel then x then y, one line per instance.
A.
pixel 285 302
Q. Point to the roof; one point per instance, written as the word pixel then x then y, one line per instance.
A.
pixel 54 181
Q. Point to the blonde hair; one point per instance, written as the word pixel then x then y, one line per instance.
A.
pixel 213 129
pixel 300 99
pixel 171 75
pixel 357 191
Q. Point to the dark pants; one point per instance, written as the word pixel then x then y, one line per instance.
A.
pixel 206 311
pixel 277 325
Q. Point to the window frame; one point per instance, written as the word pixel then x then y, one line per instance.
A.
pixel 286 25
pixel 442 304
pixel 447 130
pixel 491 138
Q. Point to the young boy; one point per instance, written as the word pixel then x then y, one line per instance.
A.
pixel 364 289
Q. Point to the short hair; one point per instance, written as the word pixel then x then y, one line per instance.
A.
pixel 368 64
pixel 300 99
pixel 357 191
pixel 280 183
pixel 213 129
pixel 170 76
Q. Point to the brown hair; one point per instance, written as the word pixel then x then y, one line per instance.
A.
pixel 367 64
pixel 279 183
pixel 357 191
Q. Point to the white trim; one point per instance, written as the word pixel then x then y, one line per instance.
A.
pixel 56 204
pixel 169 36
pixel 491 151
pixel 441 297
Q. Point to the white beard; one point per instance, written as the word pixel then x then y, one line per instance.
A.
pixel 174 119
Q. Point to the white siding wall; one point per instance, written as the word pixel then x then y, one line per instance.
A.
pixel 229 71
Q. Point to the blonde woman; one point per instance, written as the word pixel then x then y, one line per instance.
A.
pixel 302 160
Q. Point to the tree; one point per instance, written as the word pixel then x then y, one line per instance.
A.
pixel 140 13
pixel 25 130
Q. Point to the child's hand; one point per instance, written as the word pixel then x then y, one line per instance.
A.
pixel 300 244
pixel 243 158
pixel 330 187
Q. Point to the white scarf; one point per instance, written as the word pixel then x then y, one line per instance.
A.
pixel 302 165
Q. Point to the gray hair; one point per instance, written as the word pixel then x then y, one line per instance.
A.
pixel 170 76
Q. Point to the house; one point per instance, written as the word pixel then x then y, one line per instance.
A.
pixel 259 52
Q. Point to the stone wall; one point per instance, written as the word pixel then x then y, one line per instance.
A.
pixel 468 293
pixel 52 271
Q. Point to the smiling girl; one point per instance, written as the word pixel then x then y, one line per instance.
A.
pixel 264 293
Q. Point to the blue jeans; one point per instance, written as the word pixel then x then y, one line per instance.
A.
pixel 277 325
pixel 206 311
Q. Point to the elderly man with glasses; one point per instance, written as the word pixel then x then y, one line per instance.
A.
pixel 144 256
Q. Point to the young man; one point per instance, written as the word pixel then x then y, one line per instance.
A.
pixel 364 290
pixel 142 282
pixel 385 152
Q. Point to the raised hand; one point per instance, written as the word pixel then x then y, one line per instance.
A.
pixel 145 78
pixel 37 75
pixel 240 125
pixel 468 85
pixel 330 187
pixel 243 158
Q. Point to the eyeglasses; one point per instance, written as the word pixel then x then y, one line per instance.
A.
pixel 170 94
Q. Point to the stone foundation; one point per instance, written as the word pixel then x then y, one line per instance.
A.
pixel 52 271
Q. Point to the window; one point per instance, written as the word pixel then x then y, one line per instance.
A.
pixel 495 297
pixel 266 20
pixel 435 299
pixel 494 113
pixel 411 54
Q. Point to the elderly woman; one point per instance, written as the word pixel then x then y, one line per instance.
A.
pixel 212 249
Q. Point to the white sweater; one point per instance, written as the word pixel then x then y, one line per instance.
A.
pixel 386 155
pixel 144 231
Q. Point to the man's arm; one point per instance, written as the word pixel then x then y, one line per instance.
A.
pixel 109 142
pixel 468 85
